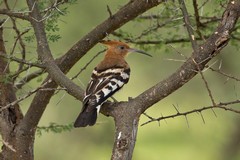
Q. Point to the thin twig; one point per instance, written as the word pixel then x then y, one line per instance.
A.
pixel 54 6
pixel 8 145
pixel 24 97
pixel 206 84
pixel 197 19
pixel 188 26
pixel 14 14
pixel 87 64
pixel 204 3
pixel 196 14
pixel 109 11
pixel 22 61
pixel 225 74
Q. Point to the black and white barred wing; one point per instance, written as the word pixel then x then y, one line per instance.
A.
pixel 104 84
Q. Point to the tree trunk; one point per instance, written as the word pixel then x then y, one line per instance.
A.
pixel 126 122
pixel 17 144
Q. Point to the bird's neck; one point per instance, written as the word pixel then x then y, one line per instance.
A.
pixel 112 62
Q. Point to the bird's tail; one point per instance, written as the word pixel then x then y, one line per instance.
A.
pixel 86 118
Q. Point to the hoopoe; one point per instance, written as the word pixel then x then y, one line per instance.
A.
pixel 108 77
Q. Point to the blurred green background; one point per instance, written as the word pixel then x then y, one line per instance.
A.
pixel 172 139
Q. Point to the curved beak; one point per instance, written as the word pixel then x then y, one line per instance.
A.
pixel 138 51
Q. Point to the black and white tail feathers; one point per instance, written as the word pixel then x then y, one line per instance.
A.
pixel 103 84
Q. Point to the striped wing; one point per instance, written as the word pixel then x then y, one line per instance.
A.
pixel 104 84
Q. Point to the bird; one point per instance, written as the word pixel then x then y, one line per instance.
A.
pixel 110 75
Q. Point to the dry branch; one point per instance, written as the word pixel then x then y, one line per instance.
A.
pixel 188 26
pixel 223 106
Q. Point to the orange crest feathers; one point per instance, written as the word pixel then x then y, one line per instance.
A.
pixel 113 43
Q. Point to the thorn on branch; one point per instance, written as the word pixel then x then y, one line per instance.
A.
pixel 202 117
pixel 214 112
pixel 163 119
pixel 176 108
pixel 187 121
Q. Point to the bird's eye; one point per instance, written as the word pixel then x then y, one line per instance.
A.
pixel 121 47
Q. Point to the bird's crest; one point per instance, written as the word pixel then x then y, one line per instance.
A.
pixel 113 43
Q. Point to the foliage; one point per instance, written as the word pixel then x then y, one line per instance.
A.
pixel 54 128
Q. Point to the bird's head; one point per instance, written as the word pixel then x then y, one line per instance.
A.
pixel 120 48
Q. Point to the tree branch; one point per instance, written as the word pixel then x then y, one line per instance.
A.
pixel 188 25
pixel 187 71
pixel 22 61
pixel 20 15
pixel 218 106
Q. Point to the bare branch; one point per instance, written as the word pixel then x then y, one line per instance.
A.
pixel 28 77
pixel 188 25
pixel 223 106
pixel 54 6
pixel 225 74
pixel 24 97
pixel 197 19
pixel 206 84
pixel 22 61
pixel 87 64
pixel 196 14
pixel 203 4
pixel 20 15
